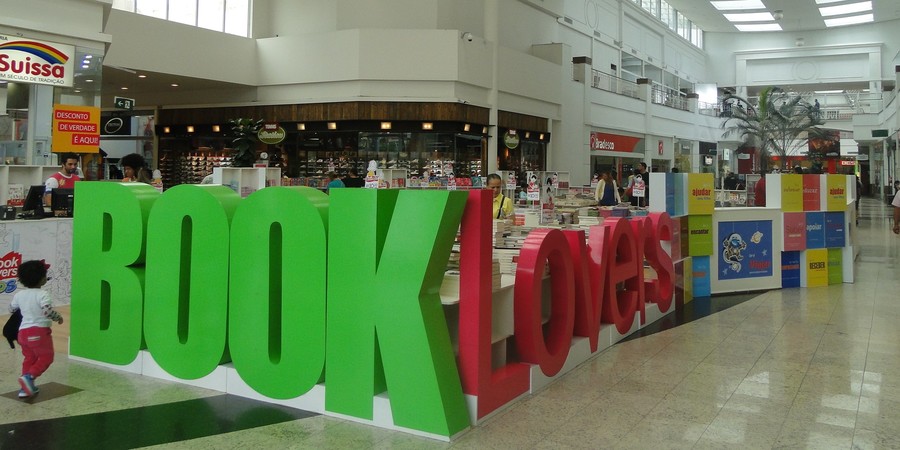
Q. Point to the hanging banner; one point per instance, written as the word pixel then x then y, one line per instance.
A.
pixel 76 129
pixel 36 62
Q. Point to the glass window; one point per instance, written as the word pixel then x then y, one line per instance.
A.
pixel 124 5
pixel 211 14
pixel 237 17
pixel 667 14
pixel 152 8
pixel 183 12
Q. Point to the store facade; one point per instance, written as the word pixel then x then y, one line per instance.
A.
pixel 615 151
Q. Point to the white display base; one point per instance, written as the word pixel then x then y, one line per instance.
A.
pixel 848 262
pixel 616 336
pixel 214 381
pixel 312 401
pixel 579 352
pixel 135 367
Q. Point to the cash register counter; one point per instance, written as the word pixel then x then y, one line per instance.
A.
pixel 49 239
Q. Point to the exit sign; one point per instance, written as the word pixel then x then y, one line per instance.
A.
pixel 124 103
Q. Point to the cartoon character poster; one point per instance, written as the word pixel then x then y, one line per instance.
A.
pixel 745 249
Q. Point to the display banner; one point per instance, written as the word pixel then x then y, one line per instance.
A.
pixel 836 192
pixel 670 193
pixel 811 196
pixel 684 283
pixel 794 231
pixel 685 239
pixel 745 250
pixel 613 142
pixel 815 230
pixel 791 193
pixel 835 267
pixel 790 269
pixel 701 280
pixel 675 250
pixel 76 129
pixel 680 180
pixel 815 262
pixel 700 235
pixel 835 235
pixel 701 193
pixel 36 62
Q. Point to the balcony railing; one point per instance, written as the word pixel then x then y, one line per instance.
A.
pixel 614 84
pixel 708 109
pixel 666 96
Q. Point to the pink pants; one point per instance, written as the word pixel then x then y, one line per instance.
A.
pixel 37 346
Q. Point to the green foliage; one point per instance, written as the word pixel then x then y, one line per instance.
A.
pixel 244 132
pixel 778 125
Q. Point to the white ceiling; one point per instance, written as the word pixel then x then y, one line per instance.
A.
pixel 799 15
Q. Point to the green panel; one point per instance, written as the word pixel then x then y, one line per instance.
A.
pixel 277 322
pixel 700 241
pixel 395 301
pixel 835 266
pixel 185 312
pixel 107 270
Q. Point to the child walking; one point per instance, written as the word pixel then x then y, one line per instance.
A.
pixel 34 333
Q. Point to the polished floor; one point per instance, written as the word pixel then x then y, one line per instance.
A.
pixel 793 368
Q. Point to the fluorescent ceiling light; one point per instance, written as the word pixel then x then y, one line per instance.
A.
pixel 850 8
pixel 758 27
pixel 830 91
pixel 734 5
pixel 823 2
pixel 750 17
pixel 851 20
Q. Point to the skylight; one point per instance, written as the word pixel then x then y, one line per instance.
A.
pixel 736 5
pixel 850 20
pixel 850 8
pixel 750 17
pixel 758 27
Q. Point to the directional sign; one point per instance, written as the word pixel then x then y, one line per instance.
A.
pixel 124 103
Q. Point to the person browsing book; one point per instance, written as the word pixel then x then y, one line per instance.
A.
pixel 503 205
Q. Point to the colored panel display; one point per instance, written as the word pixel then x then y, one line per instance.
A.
pixel 745 250
pixel 816 267
pixel 700 235
pixel 790 269
pixel 834 230
pixel 795 230
pixel 670 193
pixel 680 184
pixel 812 197
pixel 836 193
pixel 835 269
pixel 700 278
pixel 815 230
pixel 701 194
pixel 792 193
pixel 676 252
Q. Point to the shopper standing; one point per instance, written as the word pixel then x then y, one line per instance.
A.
pixel 34 332
pixel 607 192
pixel 759 191
pixel 503 205
pixel 135 168
pixel 333 182
pixel 353 180
pixel 65 178
pixel 896 205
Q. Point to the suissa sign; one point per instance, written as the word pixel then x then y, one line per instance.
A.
pixel 297 288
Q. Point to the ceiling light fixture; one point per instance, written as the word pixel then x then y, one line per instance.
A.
pixel 385 125
pixel 735 5
pixel 142 76
pixel 467 127
pixel 190 128
pixel 851 20
pixel 174 85
pixel 332 125
pixel 778 14
pixel 301 127
pixel 427 125
pixel 167 130
pixel 750 17
pixel 758 27
pixel 124 88
pixel 850 8
pixel 216 128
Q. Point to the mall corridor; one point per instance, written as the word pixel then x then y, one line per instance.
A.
pixel 793 368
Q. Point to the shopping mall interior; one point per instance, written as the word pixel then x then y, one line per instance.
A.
pixel 431 90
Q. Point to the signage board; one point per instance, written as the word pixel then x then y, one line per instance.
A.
pixel 36 62
pixel 76 129
pixel 123 103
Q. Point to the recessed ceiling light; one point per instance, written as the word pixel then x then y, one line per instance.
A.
pixel 174 85
pixel 750 17
pixel 86 61
pixel 88 56
pixel 85 66
pixel 850 8
pixel 851 20
pixel 734 5
pixel 758 27
pixel 88 81
pixel 142 76
pixel 824 2
pixel 77 91
pixel 124 88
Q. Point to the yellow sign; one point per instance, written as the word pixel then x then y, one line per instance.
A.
pixel 792 193
pixel 816 267
pixel 76 129
pixel 836 193
pixel 701 194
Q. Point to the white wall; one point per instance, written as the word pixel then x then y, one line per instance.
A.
pixel 75 22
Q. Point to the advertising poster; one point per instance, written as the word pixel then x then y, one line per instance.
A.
pixel 790 269
pixel 76 129
pixel 701 194
pixel 835 268
pixel 792 193
pixel 745 250
pixel 812 198
pixel 834 230
pixel 815 230
pixel 794 231
pixel 533 188
pixel 816 265
pixel 700 235
pixel 836 193
pixel 700 270
pixel 38 62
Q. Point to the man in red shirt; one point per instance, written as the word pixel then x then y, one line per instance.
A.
pixel 65 178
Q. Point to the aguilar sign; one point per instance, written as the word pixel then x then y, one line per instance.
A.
pixel 36 62
pixel 203 277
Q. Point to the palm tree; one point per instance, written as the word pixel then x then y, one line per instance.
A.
pixel 778 125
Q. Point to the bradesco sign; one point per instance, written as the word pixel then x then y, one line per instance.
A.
pixel 297 288
pixel 37 62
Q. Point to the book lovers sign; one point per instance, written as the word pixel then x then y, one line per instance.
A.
pixel 36 62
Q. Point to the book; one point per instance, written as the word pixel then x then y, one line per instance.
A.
pixel 15 195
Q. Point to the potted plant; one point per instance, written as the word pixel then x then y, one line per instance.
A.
pixel 244 132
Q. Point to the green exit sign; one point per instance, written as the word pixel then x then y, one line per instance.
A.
pixel 123 103
pixel 879 133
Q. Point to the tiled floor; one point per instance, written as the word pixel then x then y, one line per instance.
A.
pixel 793 368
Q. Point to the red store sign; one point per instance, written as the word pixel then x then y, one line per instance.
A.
pixel 613 142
